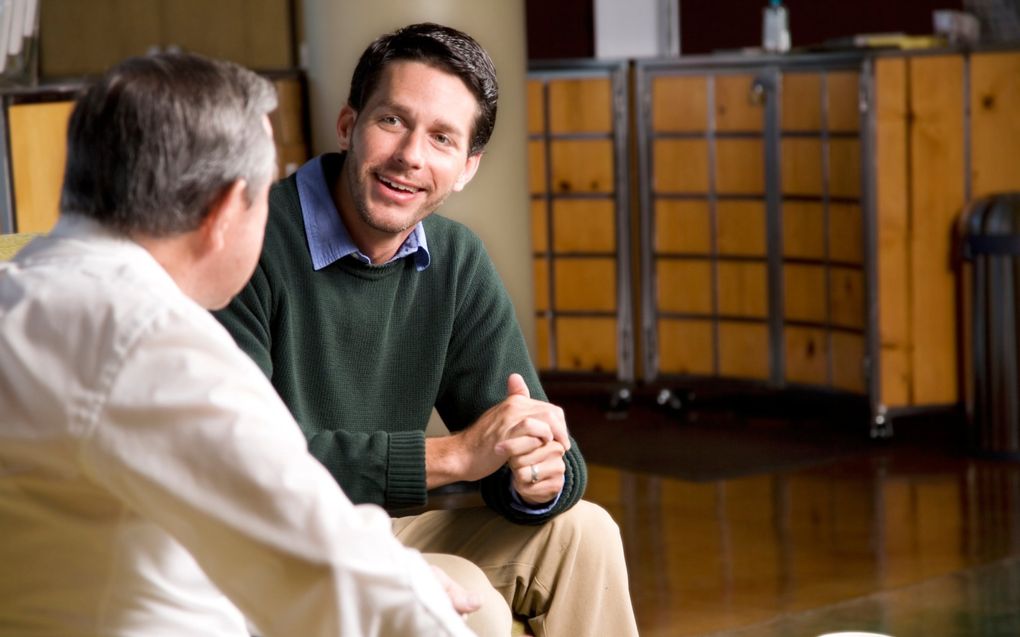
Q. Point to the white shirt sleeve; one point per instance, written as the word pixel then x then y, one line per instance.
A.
pixel 193 437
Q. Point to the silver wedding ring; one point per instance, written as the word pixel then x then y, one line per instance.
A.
pixel 534 474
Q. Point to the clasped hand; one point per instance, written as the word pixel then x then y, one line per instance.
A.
pixel 530 436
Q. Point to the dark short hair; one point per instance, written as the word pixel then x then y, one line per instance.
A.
pixel 444 48
pixel 158 139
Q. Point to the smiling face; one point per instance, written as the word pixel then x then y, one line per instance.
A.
pixel 407 150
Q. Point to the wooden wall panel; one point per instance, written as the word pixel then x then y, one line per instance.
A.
pixel 586 344
pixel 585 284
pixel 802 104
pixel 536 167
pixel 734 108
pixel 680 104
pixel 807 359
pixel 846 233
pixel 936 96
pixel 844 101
pixel 848 353
pixel 803 230
pixel 38 176
pixel 995 122
pixel 536 107
pixel 682 226
pixel 680 165
pixel 740 166
pixel 891 137
pixel 539 225
pixel 744 350
pixel 541 267
pixel 542 343
pixel 581 106
pixel 801 166
pixel 78 38
pixel 741 228
pixel 844 168
pixel 584 225
pixel 684 285
pixel 685 347
pixel 582 165
pixel 743 289
pixel 804 293
pixel 846 297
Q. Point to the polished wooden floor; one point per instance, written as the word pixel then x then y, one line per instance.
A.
pixel 908 537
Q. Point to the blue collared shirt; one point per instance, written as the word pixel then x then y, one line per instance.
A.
pixel 329 241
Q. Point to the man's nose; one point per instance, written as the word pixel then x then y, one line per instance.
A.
pixel 411 151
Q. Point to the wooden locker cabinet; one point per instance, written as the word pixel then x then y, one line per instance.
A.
pixel 799 216
pixel 577 127
pixel 753 264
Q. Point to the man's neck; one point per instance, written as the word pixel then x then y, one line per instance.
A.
pixel 378 246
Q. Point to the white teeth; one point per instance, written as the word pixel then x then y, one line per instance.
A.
pixel 396 186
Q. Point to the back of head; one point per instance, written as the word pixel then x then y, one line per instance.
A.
pixel 158 139
pixel 444 48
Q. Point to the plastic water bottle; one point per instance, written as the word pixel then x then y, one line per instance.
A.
pixel 775 32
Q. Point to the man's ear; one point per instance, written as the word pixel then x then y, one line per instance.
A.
pixel 470 168
pixel 223 216
pixel 345 126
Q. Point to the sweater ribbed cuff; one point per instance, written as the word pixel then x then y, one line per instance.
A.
pixel 405 476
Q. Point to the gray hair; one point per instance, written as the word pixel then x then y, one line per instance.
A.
pixel 157 140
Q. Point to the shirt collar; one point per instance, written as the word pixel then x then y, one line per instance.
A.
pixel 328 239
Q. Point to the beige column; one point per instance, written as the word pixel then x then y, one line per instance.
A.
pixel 495 205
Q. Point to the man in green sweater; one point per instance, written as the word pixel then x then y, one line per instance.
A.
pixel 366 311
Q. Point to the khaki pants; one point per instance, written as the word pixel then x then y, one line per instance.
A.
pixel 567 576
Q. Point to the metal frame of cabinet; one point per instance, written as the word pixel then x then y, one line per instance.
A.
pixel 616 73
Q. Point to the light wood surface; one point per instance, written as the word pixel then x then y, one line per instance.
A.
pixel 740 166
pixel 582 166
pixel 744 350
pixel 995 124
pixel 586 344
pixel 802 103
pixel 807 355
pixel 741 228
pixel 682 226
pixel 684 285
pixel 581 106
pixel 937 177
pixel 680 165
pixel 892 226
pixel 680 104
pixel 585 284
pixel 38 135
pixel 743 289
pixel 685 347
pixel 584 225
pixel 735 110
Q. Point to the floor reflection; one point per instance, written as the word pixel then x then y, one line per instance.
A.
pixel 896 541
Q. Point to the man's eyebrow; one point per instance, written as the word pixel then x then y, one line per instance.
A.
pixel 441 124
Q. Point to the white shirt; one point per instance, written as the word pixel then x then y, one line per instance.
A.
pixel 152 483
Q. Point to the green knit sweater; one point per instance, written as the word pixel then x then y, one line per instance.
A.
pixel 361 354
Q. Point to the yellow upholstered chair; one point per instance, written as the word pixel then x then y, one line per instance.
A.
pixel 11 243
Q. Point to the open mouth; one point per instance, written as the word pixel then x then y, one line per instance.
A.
pixel 397 186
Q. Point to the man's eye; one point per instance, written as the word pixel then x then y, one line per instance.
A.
pixel 443 139
pixel 391 120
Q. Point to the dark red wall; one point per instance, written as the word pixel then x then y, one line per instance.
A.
pixel 566 28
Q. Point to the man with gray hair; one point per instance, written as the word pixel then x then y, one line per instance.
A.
pixel 151 481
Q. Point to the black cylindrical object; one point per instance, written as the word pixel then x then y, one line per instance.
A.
pixel 991 252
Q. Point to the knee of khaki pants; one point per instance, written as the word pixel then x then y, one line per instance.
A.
pixel 493 618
